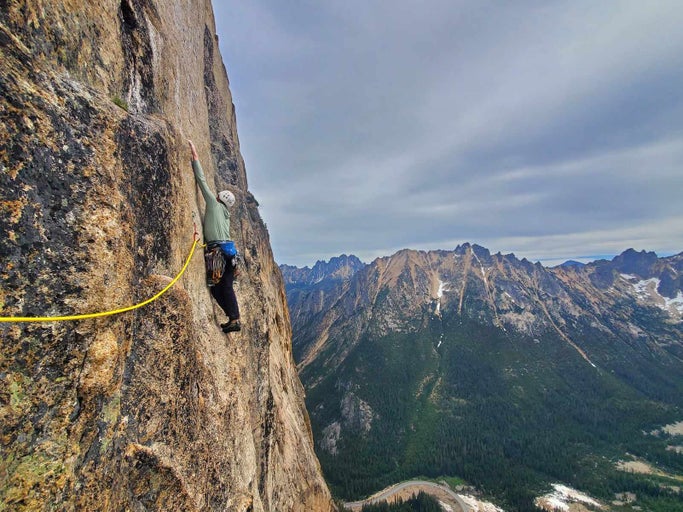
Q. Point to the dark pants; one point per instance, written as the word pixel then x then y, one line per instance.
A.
pixel 224 293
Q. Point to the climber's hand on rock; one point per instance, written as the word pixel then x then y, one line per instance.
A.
pixel 194 150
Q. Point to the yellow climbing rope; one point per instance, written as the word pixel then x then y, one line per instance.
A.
pixel 104 313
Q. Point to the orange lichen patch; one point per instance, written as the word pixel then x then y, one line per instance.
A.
pixel 14 209
pixel 12 171
pixel 88 171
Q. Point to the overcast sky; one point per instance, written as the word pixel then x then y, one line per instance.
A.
pixel 553 130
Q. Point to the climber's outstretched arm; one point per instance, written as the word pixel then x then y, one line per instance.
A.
pixel 199 175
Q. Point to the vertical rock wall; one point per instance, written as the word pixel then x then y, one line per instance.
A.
pixel 154 409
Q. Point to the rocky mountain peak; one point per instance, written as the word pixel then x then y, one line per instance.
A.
pixel 481 252
pixel 653 278
pixel 337 268
pixel 634 262
pixel 571 263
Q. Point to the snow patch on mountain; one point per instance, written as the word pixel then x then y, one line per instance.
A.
pixel 646 290
pixel 478 505
pixel 676 302
pixel 439 294
pixel 511 298
pixel 562 496
pixel 445 507
pixel 647 287
pixel 481 265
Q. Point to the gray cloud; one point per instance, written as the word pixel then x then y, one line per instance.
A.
pixel 548 129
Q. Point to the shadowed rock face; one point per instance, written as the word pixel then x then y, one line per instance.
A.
pixel 154 409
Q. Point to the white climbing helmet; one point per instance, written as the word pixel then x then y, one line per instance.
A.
pixel 226 197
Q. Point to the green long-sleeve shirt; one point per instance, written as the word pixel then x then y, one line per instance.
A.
pixel 216 217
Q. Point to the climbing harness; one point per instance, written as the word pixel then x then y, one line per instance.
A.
pixel 217 256
pixel 215 264
pixel 107 313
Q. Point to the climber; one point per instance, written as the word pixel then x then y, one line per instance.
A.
pixel 220 254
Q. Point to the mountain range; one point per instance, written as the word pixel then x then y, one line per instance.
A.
pixel 496 370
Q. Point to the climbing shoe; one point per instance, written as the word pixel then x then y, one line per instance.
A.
pixel 232 326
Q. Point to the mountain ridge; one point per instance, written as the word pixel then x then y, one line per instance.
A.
pixel 427 349
pixel 601 274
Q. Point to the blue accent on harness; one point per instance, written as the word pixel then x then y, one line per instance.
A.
pixel 228 248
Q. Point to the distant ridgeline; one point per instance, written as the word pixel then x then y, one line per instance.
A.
pixel 505 373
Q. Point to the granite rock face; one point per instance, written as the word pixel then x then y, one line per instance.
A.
pixel 154 409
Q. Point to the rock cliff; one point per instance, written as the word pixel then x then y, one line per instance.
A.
pixel 154 409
